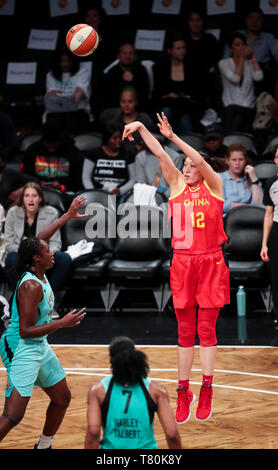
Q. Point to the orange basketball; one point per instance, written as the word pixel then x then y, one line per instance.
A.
pixel 82 40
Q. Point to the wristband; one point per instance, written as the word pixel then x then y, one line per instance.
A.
pixel 255 182
pixel 254 59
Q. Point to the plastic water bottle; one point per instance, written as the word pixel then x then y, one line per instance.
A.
pixel 241 301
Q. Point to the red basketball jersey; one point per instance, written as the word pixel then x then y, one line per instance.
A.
pixel 197 219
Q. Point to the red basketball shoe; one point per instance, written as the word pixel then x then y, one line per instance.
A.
pixel 204 411
pixel 185 399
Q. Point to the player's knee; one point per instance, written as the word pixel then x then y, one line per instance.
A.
pixel 14 418
pixel 186 335
pixel 207 334
pixel 63 400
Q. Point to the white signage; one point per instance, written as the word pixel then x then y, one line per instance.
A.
pixel 149 39
pixel 269 7
pixel 63 7
pixel 43 39
pixel 7 8
pixel 220 7
pixel 116 7
pixel 19 73
pixel 166 7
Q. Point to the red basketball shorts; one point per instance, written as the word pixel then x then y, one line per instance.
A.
pixel 199 279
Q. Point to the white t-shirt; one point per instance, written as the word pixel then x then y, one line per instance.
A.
pixel 238 90
pixel 66 86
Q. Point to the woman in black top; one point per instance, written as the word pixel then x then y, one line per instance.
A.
pixel 269 251
pixel 179 88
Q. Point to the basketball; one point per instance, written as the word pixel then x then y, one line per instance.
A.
pixel 82 40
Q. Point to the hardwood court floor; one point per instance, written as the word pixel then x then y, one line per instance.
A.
pixel 244 408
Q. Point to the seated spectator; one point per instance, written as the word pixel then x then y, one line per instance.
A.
pixel 28 217
pixel 68 92
pixel 111 166
pixel 11 183
pixel 148 169
pixel 128 72
pixel 213 141
pixel 238 74
pixel 179 88
pixel 201 47
pixel 240 182
pixel 263 44
pixel 54 160
pixel 9 144
pixel 126 113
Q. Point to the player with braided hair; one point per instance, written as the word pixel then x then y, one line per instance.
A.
pixel 24 349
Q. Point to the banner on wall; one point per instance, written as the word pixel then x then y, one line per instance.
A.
pixel 166 7
pixel 7 7
pixel 150 40
pixel 21 73
pixel 42 39
pixel 116 7
pixel 220 7
pixel 63 7
pixel 269 7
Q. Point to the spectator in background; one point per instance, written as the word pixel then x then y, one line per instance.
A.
pixel 179 88
pixel 238 74
pixel 127 72
pixel 201 48
pixel 106 51
pixel 27 218
pixel 127 113
pixel 68 93
pixel 9 144
pixel 11 183
pixel 148 169
pixel 110 167
pixel 54 160
pixel 213 141
pixel 263 44
pixel 240 182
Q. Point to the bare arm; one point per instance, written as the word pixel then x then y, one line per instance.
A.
pixel 72 213
pixel 268 221
pixel 210 176
pixel 166 415
pixel 170 172
pixel 29 296
pixel 95 397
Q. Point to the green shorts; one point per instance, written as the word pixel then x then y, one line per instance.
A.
pixel 29 362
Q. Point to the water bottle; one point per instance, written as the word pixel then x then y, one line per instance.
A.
pixel 241 301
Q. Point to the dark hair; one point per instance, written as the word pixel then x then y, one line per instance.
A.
pixel 216 163
pixel 129 89
pixel 172 37
pixel 253 10
pixel 109 130
pixel 274 150
pixel 51 132
pixel 39 190
pixel 233 36
pixel 27 249
pixel 127 363
pixel 55 68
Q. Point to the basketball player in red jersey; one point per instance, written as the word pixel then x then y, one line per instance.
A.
pixel 199 275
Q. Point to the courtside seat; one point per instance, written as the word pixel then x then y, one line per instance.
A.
pixel 92 273
pixel 244 227
pixel 265 169
pixel 138 252
pixel 100 196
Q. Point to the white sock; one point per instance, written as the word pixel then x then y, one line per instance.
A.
pixel 45 442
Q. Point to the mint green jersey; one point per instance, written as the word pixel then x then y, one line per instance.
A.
pixel 127 416
pixel 45 311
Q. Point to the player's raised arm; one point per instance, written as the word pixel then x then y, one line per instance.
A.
pixel 170 172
